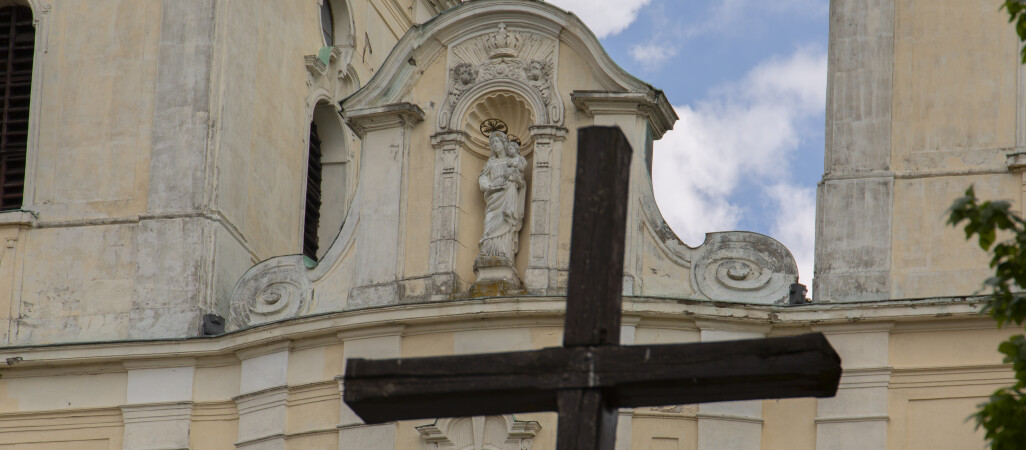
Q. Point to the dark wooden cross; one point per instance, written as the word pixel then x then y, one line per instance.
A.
pixel 592 375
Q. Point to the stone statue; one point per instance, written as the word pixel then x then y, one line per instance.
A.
pixel 502 182
pixel 504 188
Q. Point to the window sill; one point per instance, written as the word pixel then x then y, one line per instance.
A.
pixel 17 217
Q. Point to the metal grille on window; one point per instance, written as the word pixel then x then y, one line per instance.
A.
pixel 17 41
pixel 313 196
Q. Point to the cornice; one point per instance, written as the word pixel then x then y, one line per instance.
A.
pixel 652 104
pixel 931 314
pixel 364 120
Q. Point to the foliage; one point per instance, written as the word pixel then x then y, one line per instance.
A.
pixel 1017 10
pixel 1004 415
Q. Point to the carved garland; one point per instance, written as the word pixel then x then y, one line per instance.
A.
pixel 504 55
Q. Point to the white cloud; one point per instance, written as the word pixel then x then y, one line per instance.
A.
pixel 604 17
pixel 652 55
pixel 744 133
pixel 795 224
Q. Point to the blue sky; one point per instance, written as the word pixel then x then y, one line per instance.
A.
pixel 748 80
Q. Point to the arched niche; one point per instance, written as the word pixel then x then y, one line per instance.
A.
pixel 511 107
pixel 519 109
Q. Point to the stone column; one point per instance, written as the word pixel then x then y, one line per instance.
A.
pixel 158 406
pixel 542 275
pixel 380 343
pixel 856 418
pixel 385 131
pixel 445 212
pixel 263 392
pixel 735 425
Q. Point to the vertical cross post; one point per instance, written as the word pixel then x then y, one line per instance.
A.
pixel 592 375
pixel 593 303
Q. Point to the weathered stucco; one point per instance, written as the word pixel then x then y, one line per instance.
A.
pixel 924 99
pixel 171 157
pixel 168 166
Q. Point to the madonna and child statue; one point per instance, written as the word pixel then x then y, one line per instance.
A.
pixel 504 189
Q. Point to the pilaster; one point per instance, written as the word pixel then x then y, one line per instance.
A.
pixel 625 421
pixel 856 418
pixel 730 424
pixel 445 212
pixel 158 405
pixel 263 392
pixel 353 434
pixel 385 131
pixel 542 275
pixel 643 117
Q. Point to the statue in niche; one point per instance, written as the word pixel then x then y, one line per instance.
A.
pixel 502 182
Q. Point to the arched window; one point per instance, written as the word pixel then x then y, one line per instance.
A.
pixel 327 23
pixel 327 181
pixel 335 23
pixel 17 42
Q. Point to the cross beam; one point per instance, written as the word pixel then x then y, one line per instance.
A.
pixel 591 376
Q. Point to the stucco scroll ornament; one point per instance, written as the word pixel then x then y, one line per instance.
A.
pixel 275 292
pixel 740 266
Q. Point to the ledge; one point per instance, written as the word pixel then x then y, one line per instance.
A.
pixel 18 217
pixel 364 120
pixel 1016 161
pixel 653 104
pixel 502 312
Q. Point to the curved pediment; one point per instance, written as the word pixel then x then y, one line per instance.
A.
pixel 499 39
pixel 436 180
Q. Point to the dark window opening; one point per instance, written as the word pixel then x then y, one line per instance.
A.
pixel 327 23
pixel 17 47
pixel 312 216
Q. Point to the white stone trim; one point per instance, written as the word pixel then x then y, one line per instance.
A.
pixel 850 419
pixel 156 426
pixel 262 417
pixel 41 19
pixel 731 417
pixel 546 309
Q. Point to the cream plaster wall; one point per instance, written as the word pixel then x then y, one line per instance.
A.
pixel 171 158
pixel 925 98
pixel 935 372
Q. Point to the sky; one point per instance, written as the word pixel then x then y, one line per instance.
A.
pixel 748 81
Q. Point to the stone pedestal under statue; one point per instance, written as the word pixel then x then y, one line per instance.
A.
pixel 495 276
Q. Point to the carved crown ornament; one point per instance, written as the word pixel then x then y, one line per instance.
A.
pixel 504 60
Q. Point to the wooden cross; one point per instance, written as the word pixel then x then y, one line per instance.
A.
pixel 592 375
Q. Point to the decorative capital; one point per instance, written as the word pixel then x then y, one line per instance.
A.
pixel 364 120
pixel 447 139
pixel 652 104
pixel 548 132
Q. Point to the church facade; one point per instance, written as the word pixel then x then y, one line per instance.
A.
pixel 219 202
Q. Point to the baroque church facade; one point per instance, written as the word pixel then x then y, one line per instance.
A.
pixel 209 205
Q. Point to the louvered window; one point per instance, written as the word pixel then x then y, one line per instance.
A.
pixel 313 195
pixel 17 40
